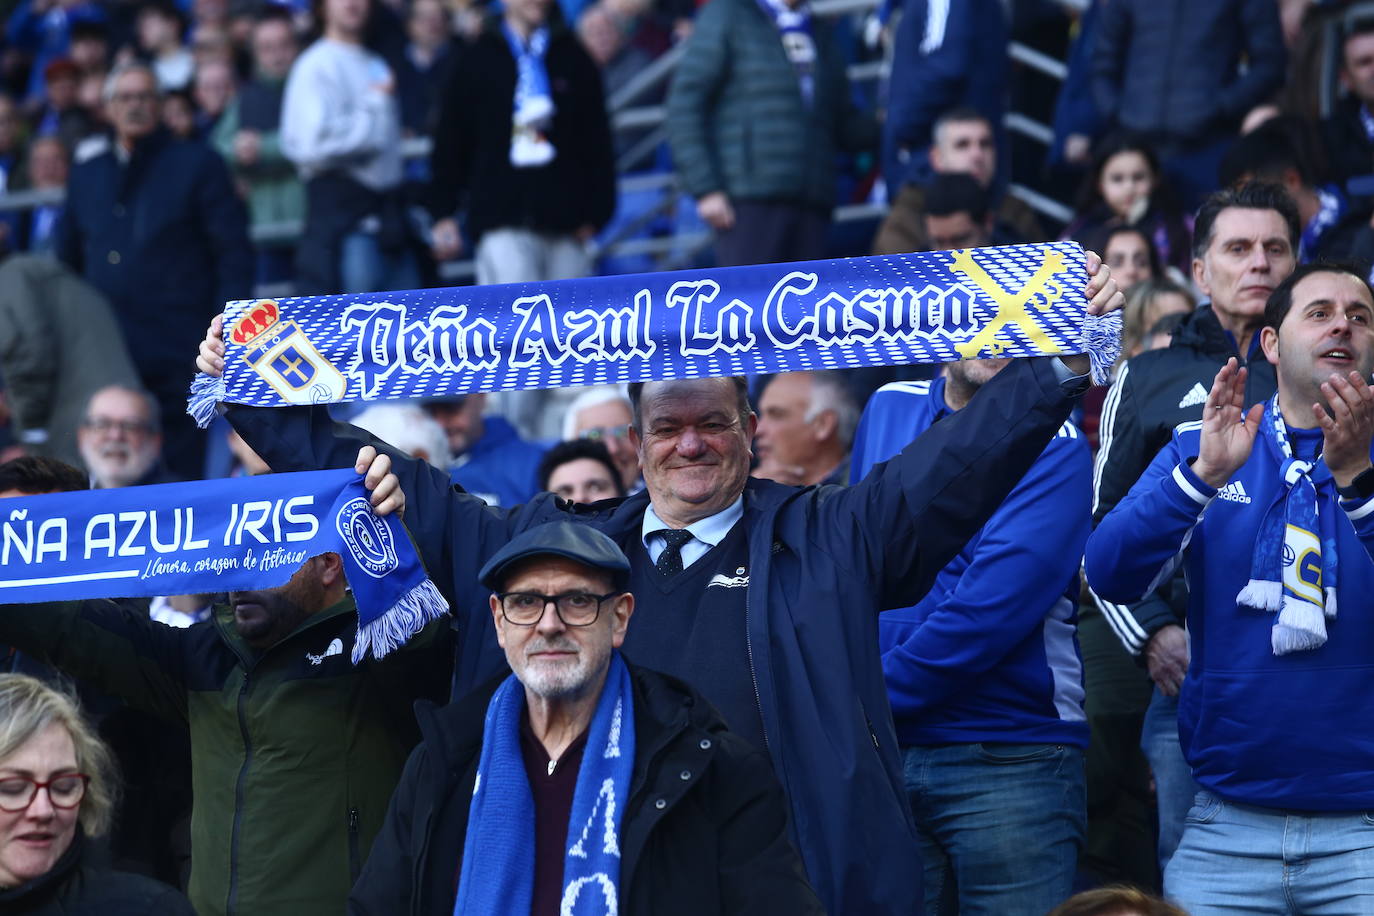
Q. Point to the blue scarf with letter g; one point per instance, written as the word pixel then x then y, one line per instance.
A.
pixel 498 854
pixel 1293 571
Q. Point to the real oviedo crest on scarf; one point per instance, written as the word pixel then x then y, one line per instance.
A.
pixel 923 307
pixel 283 356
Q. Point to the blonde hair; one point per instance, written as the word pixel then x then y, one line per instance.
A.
pixel 27 707
pixel 1138 301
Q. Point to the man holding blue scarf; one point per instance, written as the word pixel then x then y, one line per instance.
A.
pixel 766 597
pixel 1272 510
pixel 295 749
pixel 580 783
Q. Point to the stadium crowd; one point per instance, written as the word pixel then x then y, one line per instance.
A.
pixel 970 639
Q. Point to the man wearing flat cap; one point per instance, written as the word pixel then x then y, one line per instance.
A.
pixel 579 783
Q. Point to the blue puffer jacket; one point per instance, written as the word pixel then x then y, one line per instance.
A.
pixel 823 562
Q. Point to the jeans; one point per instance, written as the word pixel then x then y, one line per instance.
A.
pixel 1239 859
pixel 525 256
pixel 1000 825
pixel 1174 785
pixel 365 268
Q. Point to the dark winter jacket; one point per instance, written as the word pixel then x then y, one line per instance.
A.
pixel 1349 151
pixel 704 830
pixel 471 158
pixel 295 750
pixel 76 887
pixel 1173 68
pixel 823 561
pixel 1153 393
pixel 164 237
pixel 736 118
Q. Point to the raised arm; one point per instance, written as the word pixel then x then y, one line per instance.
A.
pixel 911 515
pixel 1136 547
pixel 1024 561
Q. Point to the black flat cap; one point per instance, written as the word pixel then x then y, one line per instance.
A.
pixel 581 543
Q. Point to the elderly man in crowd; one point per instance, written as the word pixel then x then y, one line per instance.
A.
pixel 806 426
pixel 683 816
pixel 604 413
pixel 121 439
pixel 154 224
pixel 765 596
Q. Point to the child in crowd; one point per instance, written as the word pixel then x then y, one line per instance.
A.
pixel 1130 253
pixel 1126 188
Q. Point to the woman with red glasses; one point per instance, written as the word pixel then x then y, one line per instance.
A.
pixel 57 787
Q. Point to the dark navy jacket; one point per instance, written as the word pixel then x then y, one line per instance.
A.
pixel 823 562
pixel 1173 68
pixel 165 237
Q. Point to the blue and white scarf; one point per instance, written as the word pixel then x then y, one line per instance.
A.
pixel 532 110
pixel 498 852
pixel 798 41
pixel 218 536
pixel 1293 571
pixel 926 307
pixel 1331 210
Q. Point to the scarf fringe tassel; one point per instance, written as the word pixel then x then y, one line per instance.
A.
pixel 206 392
pixel 417 608
pixel 1262 595
pixel 1301 627
pixel 1102 339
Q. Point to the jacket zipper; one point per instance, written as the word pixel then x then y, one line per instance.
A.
pixel 355 867
pixel 232 906
pixel 753 671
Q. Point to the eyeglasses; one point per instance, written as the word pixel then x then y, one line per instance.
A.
pixel 605 432
pixel 65 791
pixel 575 609
pixel 104 426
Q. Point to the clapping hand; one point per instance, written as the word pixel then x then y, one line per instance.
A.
pixel 1228 429
pixel 1347 424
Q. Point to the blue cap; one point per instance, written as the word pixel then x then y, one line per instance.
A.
pixel 581 543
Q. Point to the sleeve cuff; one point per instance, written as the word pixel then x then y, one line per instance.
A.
pixel 1070 383
pixel 1356 509
pixel 1193 486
